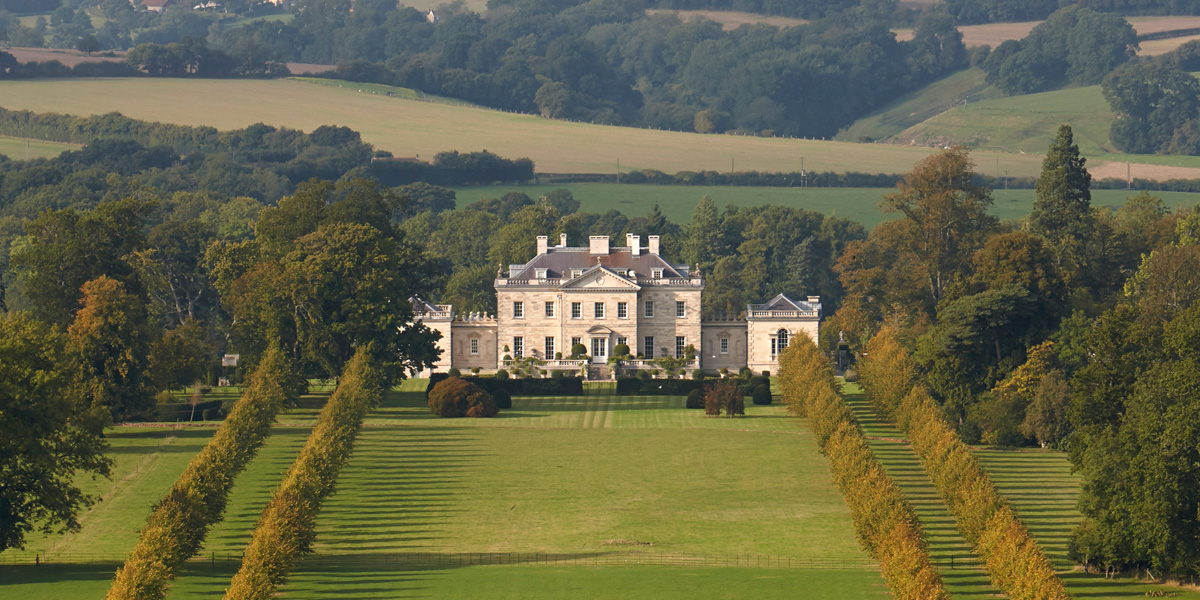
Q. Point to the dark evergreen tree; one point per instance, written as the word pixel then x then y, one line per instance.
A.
pixel 1063 208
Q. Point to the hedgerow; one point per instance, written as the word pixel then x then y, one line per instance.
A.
pixel 287 528
pixel 885 523
pixel 1015 563
pixel 179 522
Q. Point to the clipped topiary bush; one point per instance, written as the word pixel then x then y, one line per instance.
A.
pixel 698 375
pixel 695 398
pixel 643 374
pixel 762 394
pixel 502 375
pixel 621 350
pixel 503 399
pixel 456 397
pixel 578 350
pixel 454 372
pixel 745 373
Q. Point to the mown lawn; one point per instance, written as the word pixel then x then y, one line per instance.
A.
pixel 636 497
pixel 1038 484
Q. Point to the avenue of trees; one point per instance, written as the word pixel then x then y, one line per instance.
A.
pixel 1069 330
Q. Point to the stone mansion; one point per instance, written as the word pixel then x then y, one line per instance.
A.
pixel 602 296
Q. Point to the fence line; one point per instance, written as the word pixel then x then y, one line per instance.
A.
pixel 401 560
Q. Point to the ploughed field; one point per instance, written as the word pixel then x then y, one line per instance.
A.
pixel 598 496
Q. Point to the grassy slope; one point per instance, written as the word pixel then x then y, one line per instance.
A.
pixel 920 105
pixel 408 127
pixel 857 204
pixel 1039 485
pixel 15 148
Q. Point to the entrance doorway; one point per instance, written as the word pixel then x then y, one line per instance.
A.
pixel 599 350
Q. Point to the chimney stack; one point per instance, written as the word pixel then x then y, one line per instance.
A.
pixel 635 244
pixel 562 240
pixel 653 241
pixel 629 240
pixel 598 244
pixel 542 242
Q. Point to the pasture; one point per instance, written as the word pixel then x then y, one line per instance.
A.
pixel 994 34
pixel 599 495
pixel 20 148
pixel 730 19
pixel 1038 484
pixel 678 202
pixel 409 127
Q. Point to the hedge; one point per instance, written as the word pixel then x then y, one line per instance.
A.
pixel 637 386
pixel 287 528
pixel 179 522
pixel 182 411
pixel 553 386
pixel 885 522
pixel 1015 563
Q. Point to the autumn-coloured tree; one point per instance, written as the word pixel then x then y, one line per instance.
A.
pixel 110 339
pixel 947 216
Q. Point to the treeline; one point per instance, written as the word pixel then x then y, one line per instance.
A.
pixel 885 522
pixel 1015 563
pixel 972 12
pixel 1156 101
pixel 1075 46
pixel 287 528
pixel 260 162
pixel 179 523
pixel 606 61
pixel 1074 332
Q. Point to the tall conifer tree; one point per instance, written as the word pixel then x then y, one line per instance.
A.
pixel 1062 210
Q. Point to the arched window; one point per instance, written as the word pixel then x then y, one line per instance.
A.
pixel 779 343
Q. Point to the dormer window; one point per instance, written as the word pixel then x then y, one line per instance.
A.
pixel 576 272
pixel 656 273
pixel 541 273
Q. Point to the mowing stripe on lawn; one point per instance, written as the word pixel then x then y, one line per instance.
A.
pixel 960 568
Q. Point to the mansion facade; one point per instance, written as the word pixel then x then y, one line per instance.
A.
pixel 602 296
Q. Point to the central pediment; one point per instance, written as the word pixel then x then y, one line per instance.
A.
pixel 599 278
pixel 600 330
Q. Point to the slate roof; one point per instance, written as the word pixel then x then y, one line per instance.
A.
pixel 559 262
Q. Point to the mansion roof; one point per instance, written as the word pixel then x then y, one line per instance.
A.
pixel 562 264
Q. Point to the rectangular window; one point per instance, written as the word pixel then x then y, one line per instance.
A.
pixel 680 309
pixel 576 310
pixel 540 273
pixel 724 345
pixel 599 308
pixel 574 342
pixel 649 310
pixel 549 310
pixel 656 273
pixel 518 347
pixel 680 344
pixel 518 310
pixel 474 346
pixel 648 347
pixel 549 347
pixel 622 310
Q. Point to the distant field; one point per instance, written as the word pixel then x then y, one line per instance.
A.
pixel 730 19
pixel 917 106
pixel 408 127
pixel 1156 47
pixel 19 149
pixel 856 204
pixel 993 34
pixel 479 6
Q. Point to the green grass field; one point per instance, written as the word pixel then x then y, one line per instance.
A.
pixel 857 204
pixel 592 480
pixel 1038 484
pixel 408 127
pixel 920 105
pixel 20 149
